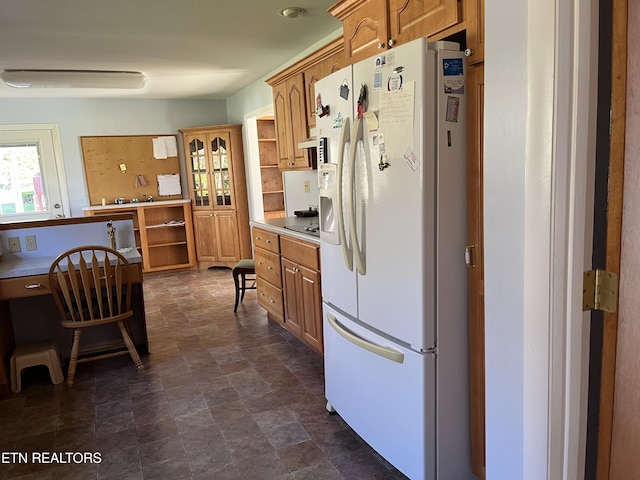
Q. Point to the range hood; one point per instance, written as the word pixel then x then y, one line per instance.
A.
pixel 311 142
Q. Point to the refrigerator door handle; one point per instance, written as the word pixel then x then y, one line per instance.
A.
pixel 386 352
pixel 358 254
pixel 344 241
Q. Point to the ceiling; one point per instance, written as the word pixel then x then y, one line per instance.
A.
pixel 186 48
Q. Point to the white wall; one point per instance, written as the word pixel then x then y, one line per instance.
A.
pixel 89 117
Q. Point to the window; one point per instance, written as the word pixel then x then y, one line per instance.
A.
pixel 32 182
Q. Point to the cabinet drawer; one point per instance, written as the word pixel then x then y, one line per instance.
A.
pixel 268 266
pixel 300 252
pixel 270 298
pixel 266 240
pixel 21 287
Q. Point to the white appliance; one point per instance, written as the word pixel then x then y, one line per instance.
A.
pixel 393 236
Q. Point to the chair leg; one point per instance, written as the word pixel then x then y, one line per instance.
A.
pixel 244 284
pixel 130 346
pixel 235 281
pixel 73 360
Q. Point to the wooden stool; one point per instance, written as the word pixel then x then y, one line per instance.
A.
pixel 37 353
pixel 240 271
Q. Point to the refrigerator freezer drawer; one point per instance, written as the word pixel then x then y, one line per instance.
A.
pixel 385 392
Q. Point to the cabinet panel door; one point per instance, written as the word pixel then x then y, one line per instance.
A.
pixel 221 169
pixel 198 179
pixel 205 233
pixel 474 14
pixel 411 19
pixel 298 111
pixel 365 29
pixel 227 241
pixel 283 120
pixel 311 308
pixel 292 296
pixel 311 76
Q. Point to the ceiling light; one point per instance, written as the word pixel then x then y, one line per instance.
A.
pixel 72 79
pixel 292 12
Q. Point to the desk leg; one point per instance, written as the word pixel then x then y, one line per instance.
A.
pixel 7 344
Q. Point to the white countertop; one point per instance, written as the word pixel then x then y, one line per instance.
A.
pixel 111 206
pixel 25 267
pixel 277 225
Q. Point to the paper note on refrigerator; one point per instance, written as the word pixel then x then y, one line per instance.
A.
pixel 396 119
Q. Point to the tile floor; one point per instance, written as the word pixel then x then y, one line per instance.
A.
pixel 223 396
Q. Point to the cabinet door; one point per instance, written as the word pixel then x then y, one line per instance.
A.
pixel 298 111
pixel 311 76
pixel 475 203
pixel 221 169
pixel 198 179
pixel 474 14
pixel 311 303
pixel 366 30
pixel 205 234
pixel 292 297
pixel 227 239
pixel 283 124
pixel 411 19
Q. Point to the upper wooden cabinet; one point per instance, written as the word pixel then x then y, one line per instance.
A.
pixel 217 186
pixel 294 103
pixel 290 112
pixel 474 20
pixel 372 26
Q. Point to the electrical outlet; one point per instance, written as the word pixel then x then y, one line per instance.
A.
pixel 14 244
pixel 307 186
pixel 30 243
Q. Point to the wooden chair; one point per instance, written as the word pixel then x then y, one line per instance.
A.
pixel 239 272
pixel 91 286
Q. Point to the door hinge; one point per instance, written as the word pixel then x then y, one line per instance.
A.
pixel 600 291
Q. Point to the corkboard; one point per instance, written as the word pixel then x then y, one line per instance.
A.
pixel 103 156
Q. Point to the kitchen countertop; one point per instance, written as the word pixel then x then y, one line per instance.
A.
pixel 111 206
pixel 26 267
pixel 277 225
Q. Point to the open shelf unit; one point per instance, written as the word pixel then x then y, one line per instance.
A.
pixel 271 175
pixel 163 232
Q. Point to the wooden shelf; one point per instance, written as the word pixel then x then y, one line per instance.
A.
pixel 270 173
pixel 163 233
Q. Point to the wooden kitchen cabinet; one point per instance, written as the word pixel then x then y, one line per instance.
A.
pixel 291 123
pixel 163 232
pixel 217 187
pixel 373 26
pixel 316 72
pixel 288 284
pixel 294 103
pixel 270 175
pixel 301 291
pixel 266 253
pixel 474 21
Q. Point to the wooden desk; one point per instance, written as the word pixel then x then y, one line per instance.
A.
pixel 27 309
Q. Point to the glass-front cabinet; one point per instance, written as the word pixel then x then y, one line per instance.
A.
pixel 217 187
pixel 211 171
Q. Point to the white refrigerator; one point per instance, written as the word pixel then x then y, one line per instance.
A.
pixel 392 178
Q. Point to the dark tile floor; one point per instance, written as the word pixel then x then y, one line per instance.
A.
pixel 223 396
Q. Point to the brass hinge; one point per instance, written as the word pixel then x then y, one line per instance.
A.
pixel 600 291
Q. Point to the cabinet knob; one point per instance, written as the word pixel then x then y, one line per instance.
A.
pixel 381 46
pixel 272 300
pixel 267 241
pixel 392 42
pixel 269 267
pixel 468 52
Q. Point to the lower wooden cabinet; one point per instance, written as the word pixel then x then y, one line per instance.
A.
pixel 163 232
pixel 217 240
pixel 288 284
pixel 303 305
